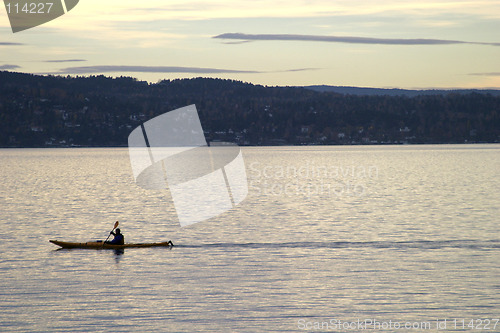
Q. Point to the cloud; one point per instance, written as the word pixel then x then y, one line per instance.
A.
pixel 486 74
pixel 66 60
pixel 164 69
pixel 147 69
pixel 7 67
pixel 10 44
pixel 344 39
pixel 237 42
pixel 298 70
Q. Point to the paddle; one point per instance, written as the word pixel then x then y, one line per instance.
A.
pixel 116 226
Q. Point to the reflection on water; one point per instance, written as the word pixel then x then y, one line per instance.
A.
pixel 118 253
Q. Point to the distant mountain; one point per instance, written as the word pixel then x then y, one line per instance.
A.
pixel 359 91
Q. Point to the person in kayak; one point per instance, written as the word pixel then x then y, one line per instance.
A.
pixel 118 239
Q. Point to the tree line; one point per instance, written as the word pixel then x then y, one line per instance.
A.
pixel 47 111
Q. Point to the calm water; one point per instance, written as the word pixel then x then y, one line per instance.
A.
pixel 405 234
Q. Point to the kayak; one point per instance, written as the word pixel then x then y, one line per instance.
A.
pixel 101 245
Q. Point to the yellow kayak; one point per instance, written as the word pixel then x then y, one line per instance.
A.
pixel 101 245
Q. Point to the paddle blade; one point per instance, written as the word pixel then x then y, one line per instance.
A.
pixel 116 225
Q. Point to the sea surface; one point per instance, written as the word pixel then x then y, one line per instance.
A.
pixel 328 238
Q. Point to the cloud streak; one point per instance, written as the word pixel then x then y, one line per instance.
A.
pixel 344 39
pixel 10 44
pixel 66 60
pixel 486 74
pixel 7 67
pixel 99 69
pixel 147 69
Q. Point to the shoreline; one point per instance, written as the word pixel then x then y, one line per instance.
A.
pixel 282 145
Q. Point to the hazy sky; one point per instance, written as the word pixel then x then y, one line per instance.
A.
pixel 379 43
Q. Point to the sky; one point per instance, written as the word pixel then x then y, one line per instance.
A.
pixel 411 44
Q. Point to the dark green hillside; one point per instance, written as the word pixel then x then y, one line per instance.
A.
pixel 41 111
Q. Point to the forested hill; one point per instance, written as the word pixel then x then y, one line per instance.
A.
pixel 49 111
